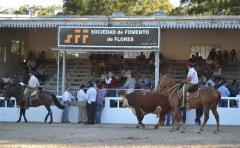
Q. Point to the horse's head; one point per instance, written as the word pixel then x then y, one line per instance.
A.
pixel 13 90
pixel 8 91
pixel 125 100
pixel 162 85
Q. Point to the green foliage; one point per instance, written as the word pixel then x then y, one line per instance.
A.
pixel 38 10
pixel 209 7
pixel 106 7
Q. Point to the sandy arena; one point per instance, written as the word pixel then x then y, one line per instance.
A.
pixel 107 135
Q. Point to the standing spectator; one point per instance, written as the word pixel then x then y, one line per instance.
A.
pixel 91 103
pixel 82 102
pixel 169 117
pixel 66 98
pixel 111 82
pixel 233 54
pixel 100 102
pixel 224 93
pixel 31 64
pixel 41 57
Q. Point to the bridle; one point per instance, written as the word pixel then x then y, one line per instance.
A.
pixel 174 88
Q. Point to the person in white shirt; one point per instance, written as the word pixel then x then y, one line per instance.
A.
pixel 33 85
pixel 192 79
pixel 66 99
pixel 91 103
pixel 82 100
pixel 224 93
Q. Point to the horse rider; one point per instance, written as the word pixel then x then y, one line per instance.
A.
pixel 33 85
pixel 191 80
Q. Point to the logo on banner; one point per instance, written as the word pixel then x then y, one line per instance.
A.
pixel 79 36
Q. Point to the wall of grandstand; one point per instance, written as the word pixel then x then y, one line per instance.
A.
pixel 176 43
pixel 116 115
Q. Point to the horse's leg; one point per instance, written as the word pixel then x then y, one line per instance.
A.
pixel 140 117
pixel 161 120
pixel 20 116
pixel 206 117
pixel 49 113
pixel 23 112
pixel 175 115
pixel 216 115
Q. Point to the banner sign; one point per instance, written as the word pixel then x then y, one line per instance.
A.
pixel 108 37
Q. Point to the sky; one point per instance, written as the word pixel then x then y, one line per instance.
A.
pixel 17 3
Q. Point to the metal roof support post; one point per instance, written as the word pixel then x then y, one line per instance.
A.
pixel 58 58
pixel 156 68
pixel 63 70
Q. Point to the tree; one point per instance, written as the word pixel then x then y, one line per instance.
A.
pixel 211 7
pixel 106 7
pixel 38 10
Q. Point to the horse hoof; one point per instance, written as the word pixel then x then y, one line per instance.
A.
pixel 18 121
pixel 156 127
pixel 26 121
pixel 137 126
pixel 171 130
pixel 215 132
pixel 182 131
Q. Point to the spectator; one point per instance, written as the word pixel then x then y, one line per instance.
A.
pixel 210 82
pixel 31 64
pixel 212 54
pixel 67 99
pixel 169 117
pixel 224 93
pixel 41 73
pixel 130 83
pixel 82 101
pixel 225 56
pixel 100 102
pixel 234 88
pixel 217 71
pixel 41 57
pixel 111 82
pixel 91 103
pixel 233 54
pixel 6 79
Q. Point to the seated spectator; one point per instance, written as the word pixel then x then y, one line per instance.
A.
pixel 217 71
pixel 31 64
pixel 41 57
pixel 210 81
pixel 225 56
pixel 41 73
pixel 212 54
pixel 130 83
pixel 6 79
pixel 234 88
pixel 233 54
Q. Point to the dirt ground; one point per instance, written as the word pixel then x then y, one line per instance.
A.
pixel 108 135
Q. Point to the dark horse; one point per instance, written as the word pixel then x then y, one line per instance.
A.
pixel 44 98
pixel 207 98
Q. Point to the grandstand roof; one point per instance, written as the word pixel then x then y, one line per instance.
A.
pixel 172 22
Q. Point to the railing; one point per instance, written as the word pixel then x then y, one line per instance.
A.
pixel 12 102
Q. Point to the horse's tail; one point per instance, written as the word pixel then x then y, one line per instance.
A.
pixel 57 102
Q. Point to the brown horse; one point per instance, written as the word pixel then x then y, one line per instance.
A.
pixel 208 98
pixel 44 98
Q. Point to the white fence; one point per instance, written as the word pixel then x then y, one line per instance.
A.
pixel 114 113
